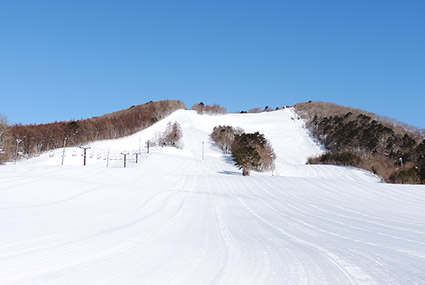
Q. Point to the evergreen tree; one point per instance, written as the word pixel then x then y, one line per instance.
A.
pixel 246 158
pixel 252 152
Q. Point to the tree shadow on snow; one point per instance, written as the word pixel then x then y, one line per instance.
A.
pixel 228 159
pixel 227 172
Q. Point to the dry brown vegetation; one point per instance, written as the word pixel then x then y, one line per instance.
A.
pixel 6 142
pixel 39 138
pixel 255 111
pixel 223 136
pixel 392 150
pixel 259 110
pixel 215 109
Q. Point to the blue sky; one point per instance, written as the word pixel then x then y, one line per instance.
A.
pixel 64 60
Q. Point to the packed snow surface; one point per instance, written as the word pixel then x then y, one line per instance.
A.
pixel 187 216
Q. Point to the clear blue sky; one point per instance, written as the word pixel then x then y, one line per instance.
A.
pixel 64 60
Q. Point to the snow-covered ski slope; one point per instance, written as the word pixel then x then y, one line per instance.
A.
pixel 174 218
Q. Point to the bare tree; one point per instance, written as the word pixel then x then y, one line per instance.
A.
pixel 172 135
pixel 215 109
pixel 223 136
pixel 200 107
pixel 5 140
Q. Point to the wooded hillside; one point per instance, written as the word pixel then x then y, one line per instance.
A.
pixel 33 139
pixel 392 150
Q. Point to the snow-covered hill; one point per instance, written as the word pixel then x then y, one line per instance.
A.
pixel 175 218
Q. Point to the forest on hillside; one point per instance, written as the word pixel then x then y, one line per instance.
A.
pixel 391 150
pixel 28 140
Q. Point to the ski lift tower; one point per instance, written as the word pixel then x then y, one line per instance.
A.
pixel 137 153
pixel 85 148
pixel 125 158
